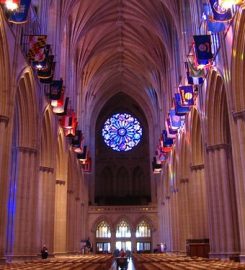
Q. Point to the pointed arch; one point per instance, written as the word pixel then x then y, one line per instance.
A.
pixel 196 139
pixel 26 111
pixel 5 90
pixel 238 63
pixel 217 110
pixel 48 135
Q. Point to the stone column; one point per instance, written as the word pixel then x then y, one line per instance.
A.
pixel 60 216
pixel 46 207
pixel 134 240
pixel 184 213
pixel 238 151
pixel 4 182
pixel 22 241
pixel 113 240
pixel 175 220
pixel 197 203
pixel 220 193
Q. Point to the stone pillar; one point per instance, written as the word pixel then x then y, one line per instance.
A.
pixel 175 220
pixel 113 240
pixel 238 152
pixel 60 216
pixel 4 182
pixel 220 194
pixel 46 207
pixel 22 241
pixel 134 240
pixel 184 213
pixel 197 203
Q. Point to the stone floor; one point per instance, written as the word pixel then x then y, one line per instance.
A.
pixel 130 266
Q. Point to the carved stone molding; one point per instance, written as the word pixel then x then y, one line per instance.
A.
pixel 197 167
pixel 27 150
pixel 184 180
pixel 4 119
pixel 219 146
pixel 46 169
pixel 60 182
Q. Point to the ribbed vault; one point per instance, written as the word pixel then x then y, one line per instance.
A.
pixel 122 44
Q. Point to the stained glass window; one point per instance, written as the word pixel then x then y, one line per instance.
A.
pixel 122 132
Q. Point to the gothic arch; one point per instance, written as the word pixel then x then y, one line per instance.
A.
pixel 99 220
pixel 61 194
pixel 219 172
pixel 48 136
pixel 196 139
pixel 24 155
pixel 216 110
pixel 126 219
pixel 238 64
pixel 26 111
pixel 147 220
pixel 5 90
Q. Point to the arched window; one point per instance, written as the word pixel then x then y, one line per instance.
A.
pixel 143 230
pixel 103 230
pixel 123 230
pixel 143 235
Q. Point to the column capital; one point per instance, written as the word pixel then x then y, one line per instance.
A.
pixel 196 167
pixel 218 146
pixel 238 114
pixel 4 119
pixel 46 169
pixel 60 182
pixel 184 180
pixel 27 150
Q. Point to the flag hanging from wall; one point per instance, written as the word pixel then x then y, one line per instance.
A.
pixel 179 109
pixel 46 73
pixel 20 15
pixel 203 49
pixel 212 25
pixel 55 89
pixel 220 14
pixel 174 120
pixel 37 45
pixel 87 165
pixel 42 62
pixel 194 74
pixel 58 102
pixel 156 167
pixel 83 156
pixel 171 134
pixel 77 141
pixel 62 109
pixel 187 95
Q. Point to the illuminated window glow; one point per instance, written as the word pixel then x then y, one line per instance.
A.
pixel 103 230
pixel 122 132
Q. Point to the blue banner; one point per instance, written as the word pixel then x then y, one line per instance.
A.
pixel 203 49
pixel 220 14
pixel 20 15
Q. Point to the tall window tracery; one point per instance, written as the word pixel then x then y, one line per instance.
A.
pixel 143 229
pixel 123 230
pixel 103 230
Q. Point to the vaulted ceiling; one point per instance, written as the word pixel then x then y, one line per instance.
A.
pixel 123 45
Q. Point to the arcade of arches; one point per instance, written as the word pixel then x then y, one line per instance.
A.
pixel 121 57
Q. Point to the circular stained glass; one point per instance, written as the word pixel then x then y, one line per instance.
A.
pixel 122 132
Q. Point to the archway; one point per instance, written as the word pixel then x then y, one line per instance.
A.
pixel 219 173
